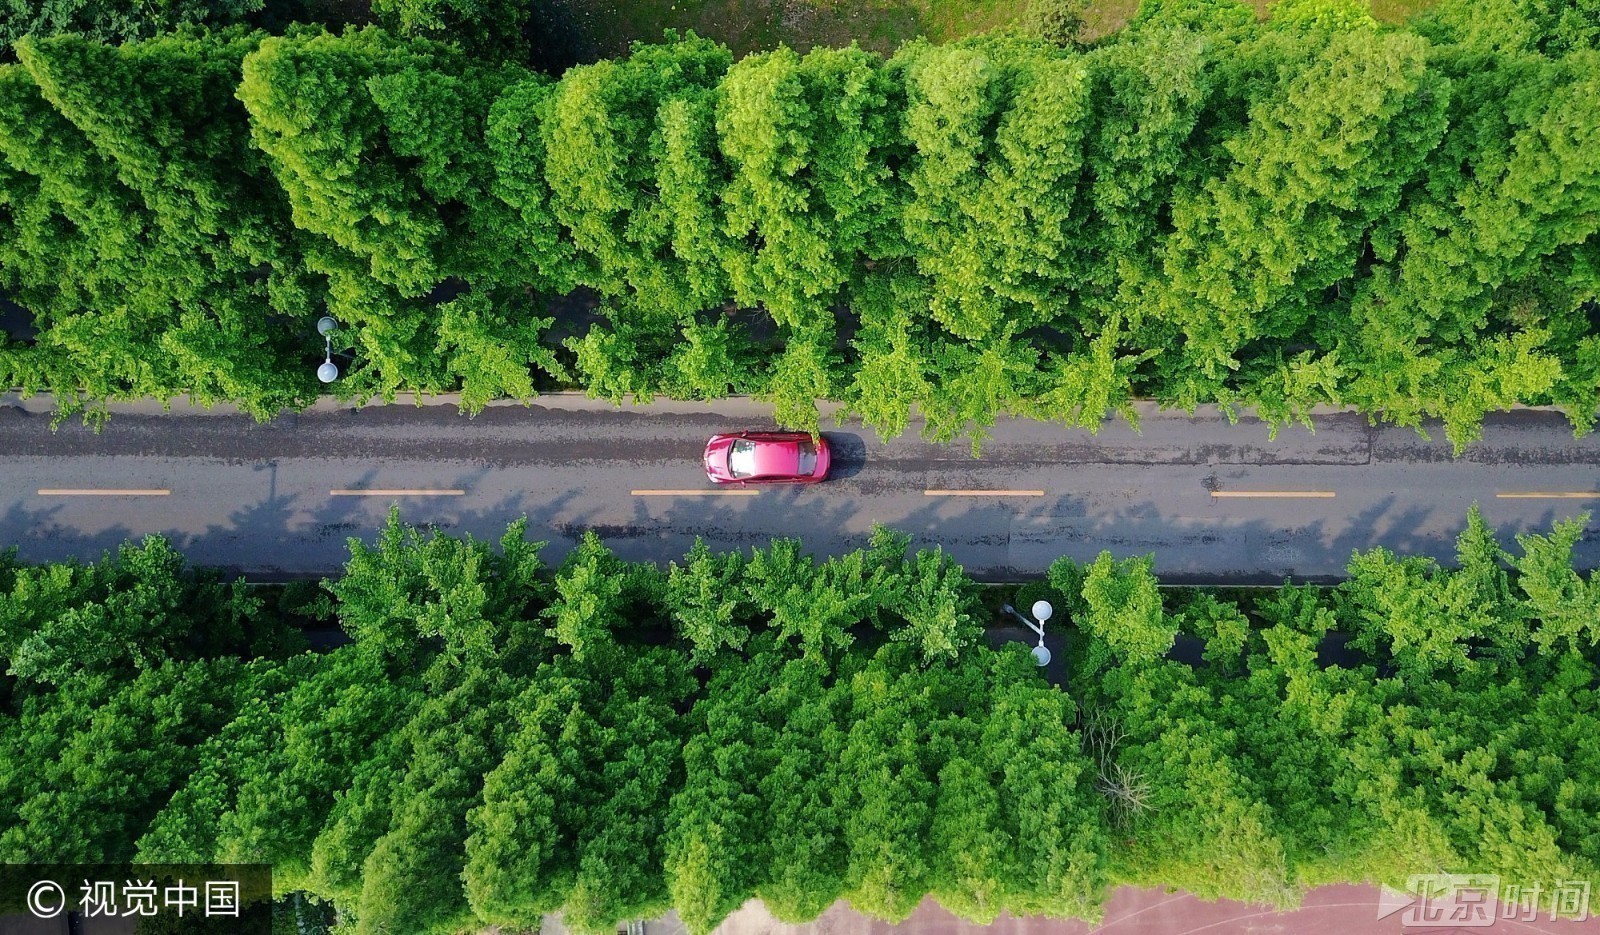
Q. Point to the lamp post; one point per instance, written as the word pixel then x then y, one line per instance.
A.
pixel 1042 610
pixel 328 371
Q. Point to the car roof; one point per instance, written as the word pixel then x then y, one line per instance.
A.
pixel 766 457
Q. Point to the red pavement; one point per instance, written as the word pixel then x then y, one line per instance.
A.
pixel 1328 910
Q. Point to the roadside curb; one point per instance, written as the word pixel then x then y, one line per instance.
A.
pixel 578 401
pixel 560 400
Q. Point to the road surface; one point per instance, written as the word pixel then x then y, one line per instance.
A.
pixel 1213 501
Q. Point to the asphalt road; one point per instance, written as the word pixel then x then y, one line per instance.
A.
pixel 261 498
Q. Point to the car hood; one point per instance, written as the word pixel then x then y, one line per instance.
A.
pixel 716 458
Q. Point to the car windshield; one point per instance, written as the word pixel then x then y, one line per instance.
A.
pixel 742 459
pixel 808 458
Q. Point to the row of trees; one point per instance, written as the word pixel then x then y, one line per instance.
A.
pixel 485 27
pixel 1200 208
pixel 499 740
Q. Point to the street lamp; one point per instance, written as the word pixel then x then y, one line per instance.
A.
pixel 1042 610
pixel 328 371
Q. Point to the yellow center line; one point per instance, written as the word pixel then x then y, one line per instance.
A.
pixel 1549 495
pixel 396 492
pixel 983 493
pixel 695 493
pixel 1272 494
pixel 103 492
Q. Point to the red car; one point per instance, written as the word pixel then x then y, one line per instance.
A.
pixel 766 458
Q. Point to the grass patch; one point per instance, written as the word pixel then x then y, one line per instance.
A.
pixel 1398 11
pixel 751 25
